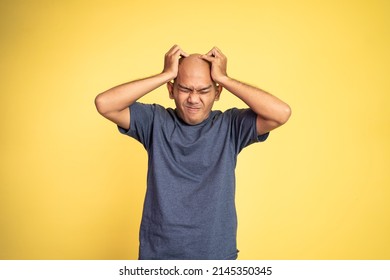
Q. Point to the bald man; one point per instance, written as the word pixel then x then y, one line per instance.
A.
pixel 189 210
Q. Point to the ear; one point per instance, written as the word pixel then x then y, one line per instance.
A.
pixel 170 89
pixel 218 92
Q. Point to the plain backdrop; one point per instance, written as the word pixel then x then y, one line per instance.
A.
pixel 72 187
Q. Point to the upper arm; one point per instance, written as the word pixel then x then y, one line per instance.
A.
pixel 280 117
pixel 121 118
pixel 263 125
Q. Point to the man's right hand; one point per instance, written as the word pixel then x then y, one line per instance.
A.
pixel 171 62
pixel 114 103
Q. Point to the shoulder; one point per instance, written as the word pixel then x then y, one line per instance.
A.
pixel 146 107
pixel 151 110
pixel 236 113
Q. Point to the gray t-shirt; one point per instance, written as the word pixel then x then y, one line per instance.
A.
pixel 189 209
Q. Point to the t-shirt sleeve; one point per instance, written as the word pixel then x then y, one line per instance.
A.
pixel 141 122
pixel 244 128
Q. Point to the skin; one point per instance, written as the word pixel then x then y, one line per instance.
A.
pixel 193 90
pixel 198 82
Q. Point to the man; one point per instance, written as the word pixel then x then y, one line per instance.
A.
pixel 189 210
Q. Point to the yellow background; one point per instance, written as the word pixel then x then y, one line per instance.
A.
pixel 71 187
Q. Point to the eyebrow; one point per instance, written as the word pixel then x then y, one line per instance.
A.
pixel 201 89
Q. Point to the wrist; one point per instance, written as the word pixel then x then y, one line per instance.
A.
pixel 167 76
pixel 223 80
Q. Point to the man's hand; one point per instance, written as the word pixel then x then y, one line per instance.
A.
pixel 171 62
pixel 114 104
pixel 218 64
pixel 271 111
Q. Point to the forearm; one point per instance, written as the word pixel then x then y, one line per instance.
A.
pixel 120 97
pixel 261 102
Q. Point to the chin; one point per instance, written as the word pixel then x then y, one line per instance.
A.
pixel 193 119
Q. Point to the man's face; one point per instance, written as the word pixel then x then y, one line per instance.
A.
pixel 194 91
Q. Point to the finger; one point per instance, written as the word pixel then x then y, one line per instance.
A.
pixel 213 52
pixel 173 49
pixel 217 49
pixel 208 58
pixel 210 53
pixel 217 52
pixel 183 53
pixel 220 54
pixel 177 53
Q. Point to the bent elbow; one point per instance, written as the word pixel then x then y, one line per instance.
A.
pixel 100 104
pixel 285 114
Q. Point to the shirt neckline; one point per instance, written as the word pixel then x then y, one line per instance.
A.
pixel 205 121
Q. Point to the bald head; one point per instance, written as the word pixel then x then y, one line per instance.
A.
pixel 193 67
pixel 193 59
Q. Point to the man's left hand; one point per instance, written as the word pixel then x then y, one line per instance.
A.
pixel 218 64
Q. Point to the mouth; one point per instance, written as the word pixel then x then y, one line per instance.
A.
pixel 191 109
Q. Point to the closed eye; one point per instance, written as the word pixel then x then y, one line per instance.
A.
pixel 184 89
pixel 204 91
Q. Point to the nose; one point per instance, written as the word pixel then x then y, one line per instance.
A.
pixel 193 98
